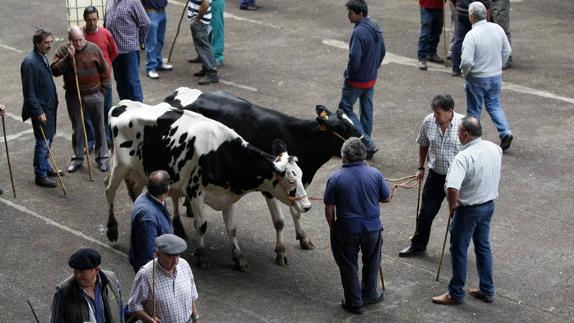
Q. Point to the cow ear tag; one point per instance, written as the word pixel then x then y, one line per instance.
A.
pixel 324 115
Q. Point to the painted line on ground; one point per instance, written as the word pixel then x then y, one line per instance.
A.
pixel 11 48
pixel 17 135
pixel 241 86
pixel 402 60
pixel 59 134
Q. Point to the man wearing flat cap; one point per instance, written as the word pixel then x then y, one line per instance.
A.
pixel 90 294
pixel 174 296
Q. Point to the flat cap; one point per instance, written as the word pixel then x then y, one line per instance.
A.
pixel 170 244
pixel 85 258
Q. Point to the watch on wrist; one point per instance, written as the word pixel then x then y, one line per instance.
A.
pixel 421 168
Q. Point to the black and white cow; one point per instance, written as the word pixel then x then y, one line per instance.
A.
pixel 314 142
pixel 207 162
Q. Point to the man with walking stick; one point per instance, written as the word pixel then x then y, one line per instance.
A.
pixel 438 144
pixel 85 83
pixel 472 186
pixel 352 197
pixel 40 104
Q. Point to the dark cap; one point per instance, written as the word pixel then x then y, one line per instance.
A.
pixel 85 258
pixel 170 244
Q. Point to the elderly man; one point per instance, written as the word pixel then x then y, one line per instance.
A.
pixel 484 50
pixel 40 104
pixel 92 74
pixel 174 296
pixel 199 15
pixel 129 24
pixel 438 144
pixel 472 187
pixel 352 197
pixel 150 218
pixel 366 53
pixel 90 294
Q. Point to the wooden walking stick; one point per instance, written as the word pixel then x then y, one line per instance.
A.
pixel 8 156
pixel 381 274
pixel 443 245
pixel 33 312
pixel 86 150
pixel 444 36
pixel 153 289
pixel 53 160
pixel 177 31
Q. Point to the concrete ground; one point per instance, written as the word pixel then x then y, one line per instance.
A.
pixel 290 56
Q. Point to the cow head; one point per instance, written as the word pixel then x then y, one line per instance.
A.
pixel 288 182
pixel 338 124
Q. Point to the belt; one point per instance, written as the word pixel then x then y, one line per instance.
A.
pixel 476 205
pixel 152 10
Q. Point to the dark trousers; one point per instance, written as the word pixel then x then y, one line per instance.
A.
pixel 462 26
pixel 433 195
pixel 431 28
pixel 345 249
pixel 202 45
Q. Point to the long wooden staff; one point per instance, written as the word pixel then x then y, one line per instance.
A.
pixel 177 31
pixel 8 156
pixel 53 160
pixel 86 150
pixel 443 245
pixel 153 289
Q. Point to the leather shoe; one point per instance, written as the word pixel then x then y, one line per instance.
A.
pixel 208 80
pixel 376 300
pixel 352 309
pixel 435 59
pixel 74 167
pixel 445 299
pixel 45 182
pixel 53 173
pixel 423 65
pixel 194 60
pixel 477 293
pixel 200 73
pixel 410 251
pixel 505 142
pixel 371 152
pixel 249 8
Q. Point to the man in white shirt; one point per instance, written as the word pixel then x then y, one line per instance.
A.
pixel 472 186
pixel 484 50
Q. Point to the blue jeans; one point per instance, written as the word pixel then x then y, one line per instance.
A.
pixel 461 27
pixel 154 40
pixel 431 28
pixel 41 161
pixel 365 125
pixel 486 91
pixel 471 222
pixel 127 74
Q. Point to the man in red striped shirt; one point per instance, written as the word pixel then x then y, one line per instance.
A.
pixel 93 77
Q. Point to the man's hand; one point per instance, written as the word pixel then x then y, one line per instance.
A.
pixel 420 174
pixel 2 109
pixel 42 118
pixel 71 50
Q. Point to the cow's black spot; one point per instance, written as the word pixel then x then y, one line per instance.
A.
pixel 203 228
pixel 182 138
pixel 195 179
pixel 173 102
pixel 131 124
pixel 117 111
pixel 173 131
pixel 126 144
pixel 132 153
pixel 115 130
pixel 275 182
pixel 138 135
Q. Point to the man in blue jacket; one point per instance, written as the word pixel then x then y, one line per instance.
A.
pixel 366 53
pixel 40 103
pixel 150 219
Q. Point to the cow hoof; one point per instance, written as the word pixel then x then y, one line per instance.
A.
pixel 178 229
pixel 241 264
pixel 112 232
pixel 306 244
pixel 281 259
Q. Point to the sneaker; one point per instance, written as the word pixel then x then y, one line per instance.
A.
pixel 435 59
pixel 152 75
pixel 208 80
pixel 423 65
pixel 505 142
pixel 165 67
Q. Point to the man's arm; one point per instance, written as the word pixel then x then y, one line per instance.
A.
pixel 467 56
pixel 56 308
pixel 194 313
pixel 146 232
pixel 28 73
pixel 355 54
pixel 423 153
pixel 113 51
pixel 202 10
pixel 330 215
pixel 506 50
pixel 142 315
pixel 142 21
pixel 452 198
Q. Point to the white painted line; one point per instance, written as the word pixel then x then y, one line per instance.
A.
pixel 11 48
pixel 59 134
pixel 17 135
pixel 61 227
pixel 241 86
pixel 402 60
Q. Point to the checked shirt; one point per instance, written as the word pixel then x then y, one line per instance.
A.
pixel 442 147
pixel 174 293
pixel 128 23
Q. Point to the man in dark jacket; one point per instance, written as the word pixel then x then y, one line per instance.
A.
pixel 366 53
pixel 90 294
pixel 40 103
pixel 150 219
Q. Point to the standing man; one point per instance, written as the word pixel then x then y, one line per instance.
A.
pixel 155 10
pixel 472 187
pixel 366 53
pixel 150 218
pixel 90 294
pixel 431 28
pixel 484 51
pixel 129 24
pixel 40 103
pixel 93 76
pixel 217 34
pixel 462 26
pixel 438 144
pixel 352 197
pixel 105 41
pixel 501 16
pixel 199 15
pixel 175 298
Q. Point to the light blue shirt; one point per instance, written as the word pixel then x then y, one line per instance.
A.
pixel 484 50
pixel 475 172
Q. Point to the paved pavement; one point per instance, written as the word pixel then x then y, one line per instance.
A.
pixel 290 56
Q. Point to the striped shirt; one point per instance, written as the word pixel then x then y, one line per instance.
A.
pixel 475 172
pixel 174 293
pixel 92 70
pixel 128 23
pixel 193 10
pixel 442 147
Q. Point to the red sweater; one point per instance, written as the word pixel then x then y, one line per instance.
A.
pixel 105 41
pixel 431 4
pixel 92 69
